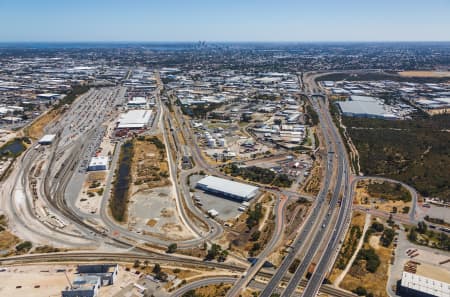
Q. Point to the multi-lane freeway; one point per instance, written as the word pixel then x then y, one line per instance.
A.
pixel 314 230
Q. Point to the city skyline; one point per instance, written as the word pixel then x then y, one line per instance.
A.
pixel 233 21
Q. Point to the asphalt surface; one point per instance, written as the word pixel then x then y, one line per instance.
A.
pixel 341 180
pixel 304 237
pixel 248 275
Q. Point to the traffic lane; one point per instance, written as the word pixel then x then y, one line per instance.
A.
pixel 255 267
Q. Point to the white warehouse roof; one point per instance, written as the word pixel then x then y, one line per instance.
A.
pixel 137 101
pixel 227 187
pixel 134 119
pixel 47 138
pixel 98 161
pixel 425 285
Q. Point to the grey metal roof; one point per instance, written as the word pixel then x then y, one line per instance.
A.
pixel 362 105
pixel 228 186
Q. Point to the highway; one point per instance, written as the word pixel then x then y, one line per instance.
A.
pixel 248 275
pixel 342 170
pixel 304 236
pixel 332 244
pixel 314 230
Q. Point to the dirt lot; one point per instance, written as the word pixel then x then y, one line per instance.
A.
pixel 240 240
pixel 213 290
pixel 374 283
pixel 425 73
pixel 7 243
pixel 46 281
pixel 93 187
pixel 363 197
pixel 150 168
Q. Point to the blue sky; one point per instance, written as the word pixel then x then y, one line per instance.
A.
pixel 230 20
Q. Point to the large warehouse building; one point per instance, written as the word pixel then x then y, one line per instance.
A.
pixel 134 119
pixel 415 285
pixel 98 163
pixel 365 107
pixel 227 188
pixel 47 139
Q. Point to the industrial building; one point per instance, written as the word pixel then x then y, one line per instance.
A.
pixel 83 286
pixel 47 139
pixel 48 96
pixel 98 163
pixel 365 107
pixel 415 285
pixel 137 102
pixel 106 272
pixel 90 278
pixel 227 188
pixel 134 119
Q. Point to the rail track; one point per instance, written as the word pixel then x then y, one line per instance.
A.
pixel 169 259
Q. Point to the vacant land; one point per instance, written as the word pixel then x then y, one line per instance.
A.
pixel 7 243
pixel 36 129
pixel 385 196
pixel 376 76
pixel 150 168
pixel 350 244
pixel 425 73
pixel 389 191
pixel 312 185
pixel 413 151
pixel 253 229
pixel 209 291
pixel 369 272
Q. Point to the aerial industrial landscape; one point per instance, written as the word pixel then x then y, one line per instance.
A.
pixel 203 169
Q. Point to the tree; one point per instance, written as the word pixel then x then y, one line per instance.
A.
pixel 390 221
pixel 387 237
pixel 172 248
pixel 254 216
pixel 137 263
pixel 378 227
pixel 372 259
pixel 162 276
pixel 421 227
pixel 360 291
pixel 190 293
pixel 222 256
pixel 394 209
pixel 412 236
pixel 213 252
pixel 146 262
pixel 157 268
pixel 255 235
